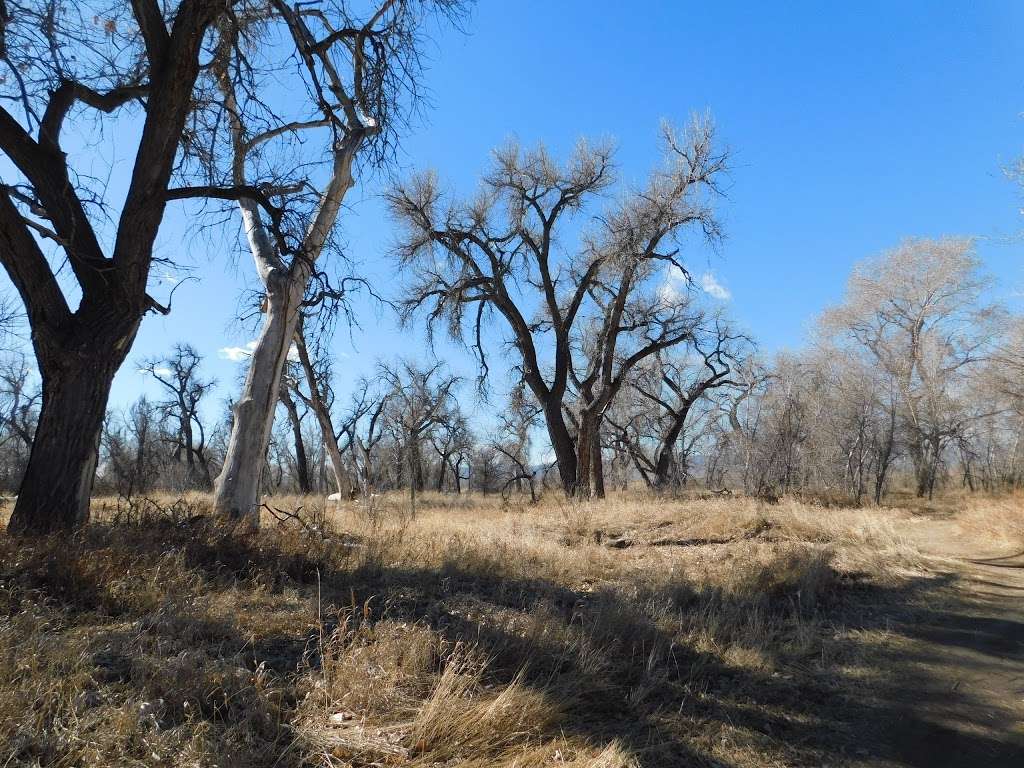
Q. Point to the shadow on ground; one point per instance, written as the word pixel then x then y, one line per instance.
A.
pixel 615 657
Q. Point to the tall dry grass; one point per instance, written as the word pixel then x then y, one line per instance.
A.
pixel 481 632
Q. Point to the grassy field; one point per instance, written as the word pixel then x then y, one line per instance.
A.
pixel 633 632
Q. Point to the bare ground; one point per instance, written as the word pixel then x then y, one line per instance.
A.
pixel 961 696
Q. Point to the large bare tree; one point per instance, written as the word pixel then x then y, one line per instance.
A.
pixel 349 80
pixel 917 311
pixel 136 62
pixel 579 322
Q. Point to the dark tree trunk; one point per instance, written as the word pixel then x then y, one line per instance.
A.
pixel 76 379
pixel 597 464
pixel 441 471
pixel 667 453
pixel 561 443
pixel 301 461
pixel 585 456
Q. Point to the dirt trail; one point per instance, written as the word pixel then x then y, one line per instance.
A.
pixel 960 694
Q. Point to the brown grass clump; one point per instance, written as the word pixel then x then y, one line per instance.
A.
pixel 634 632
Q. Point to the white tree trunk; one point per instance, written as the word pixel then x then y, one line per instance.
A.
pixel 237 490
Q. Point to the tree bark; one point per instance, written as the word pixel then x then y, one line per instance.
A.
pixel 55 490
pixel 561 444
pixel 237 488
pixel 597 464
pixel 323 414
pixel 301 461
pixel 584 458
pixel 666 456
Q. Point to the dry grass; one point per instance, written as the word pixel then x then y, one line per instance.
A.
pixel 998 520
pixel 633 632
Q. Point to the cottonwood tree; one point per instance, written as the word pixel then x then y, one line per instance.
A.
pixel 317 373
pixel 669 388
pixel 420 398
pixel 364 426
pixel 917 310
pixel 127 64
pixel 19 400
pixel 296 113
pixel 512 442
pixel 597 310
pixel 288 387
pixel 178 375
pixel 132 449
pixel 452 441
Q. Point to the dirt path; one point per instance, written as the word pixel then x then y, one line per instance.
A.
pixel 960 697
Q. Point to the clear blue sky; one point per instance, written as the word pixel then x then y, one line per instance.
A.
pixel 852 125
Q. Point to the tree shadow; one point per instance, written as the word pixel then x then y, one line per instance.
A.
pixel 614 658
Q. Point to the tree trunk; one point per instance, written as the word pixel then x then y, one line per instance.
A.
pixel 441 471
pixel 597 464
pixel 301 461
pixel 76 378
pixel 561 443
pixel 323 414
pixel 584 458
pixel 237 489
pixel 666 455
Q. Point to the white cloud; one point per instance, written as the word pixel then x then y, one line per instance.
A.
pixel 671 291
pixel 669 294
pixel 709 283
pixel 237 354
pixel 158 371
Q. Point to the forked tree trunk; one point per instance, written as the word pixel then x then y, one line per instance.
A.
pixel 237 488
pixel 55 490
pixel 236 494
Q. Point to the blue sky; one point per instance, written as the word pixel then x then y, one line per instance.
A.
pixel 852 125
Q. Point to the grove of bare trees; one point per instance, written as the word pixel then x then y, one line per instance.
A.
pixel 600 363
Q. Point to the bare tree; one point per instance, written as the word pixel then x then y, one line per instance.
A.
pixel 357 77
pixel 318 382
pixel 669 388
pixel 62 60
pixel 364 424
pixel 178 374
pixel 132 449
pixel 19 400
pixel 500 252
pixel 512 442
pixel 420 399
pixel 19 412
pixel 916 311
pixel 452 442
pixel 295 422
